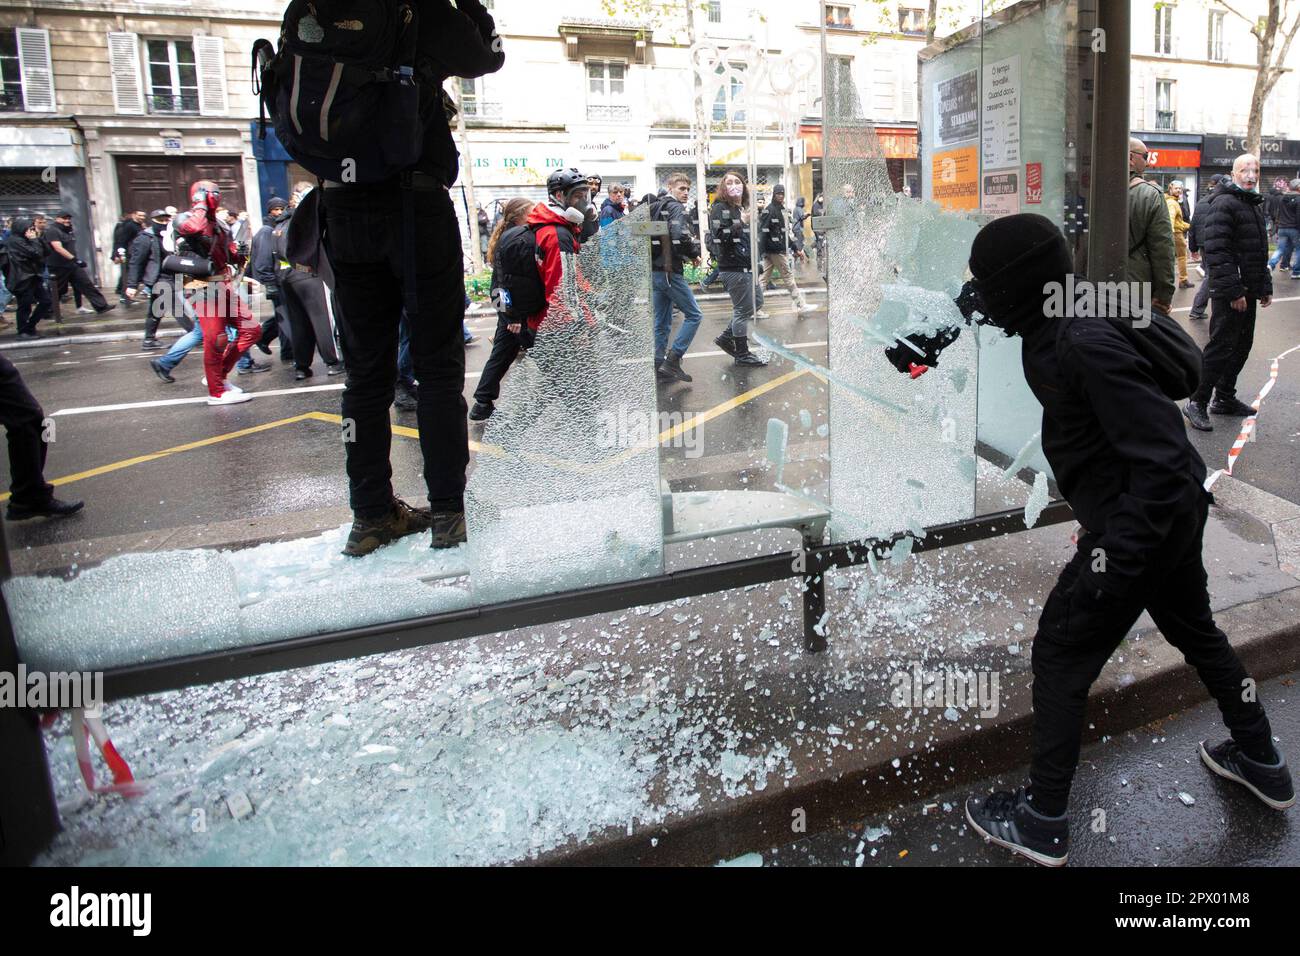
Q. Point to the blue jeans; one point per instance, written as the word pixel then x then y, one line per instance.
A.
pixel 671 289
pixel 5 294
pixel 1288 241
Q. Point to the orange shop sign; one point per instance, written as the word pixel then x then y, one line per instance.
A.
pixel 1174 158
pixel 896 142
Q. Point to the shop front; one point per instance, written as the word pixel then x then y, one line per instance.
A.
pixel 1173 157
pixel 1279 159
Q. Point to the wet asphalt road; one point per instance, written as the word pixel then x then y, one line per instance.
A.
pixel 1127 787
pixel 295 465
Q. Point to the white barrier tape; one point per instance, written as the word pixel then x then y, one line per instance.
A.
pixel 1248 423
pixel 85 727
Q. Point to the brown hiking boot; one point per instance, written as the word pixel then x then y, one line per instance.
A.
pixel 370 535
pixel 448 529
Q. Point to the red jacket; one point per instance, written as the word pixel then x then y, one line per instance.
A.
pixel 555 235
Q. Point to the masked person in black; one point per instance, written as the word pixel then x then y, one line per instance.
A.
pixel 26 276
pixel 31 496
pixel 264 266
pixel 366 239
pixel 1117 445
pixel 144 273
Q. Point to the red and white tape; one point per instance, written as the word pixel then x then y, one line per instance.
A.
pixel 83 728
pixel 1248 423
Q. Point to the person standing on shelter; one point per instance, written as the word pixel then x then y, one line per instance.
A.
pixel 1236 257
pixel 1150 236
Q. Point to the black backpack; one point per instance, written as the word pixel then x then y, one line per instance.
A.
pixel 344 90
pixel 517 289
pixel 1175 359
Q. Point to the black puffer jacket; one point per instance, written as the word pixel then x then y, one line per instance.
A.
pixel 771 226
pixel 145 258
pixel 732 236
pixel 1235 244
pixel 26 257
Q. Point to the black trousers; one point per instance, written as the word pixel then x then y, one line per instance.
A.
pixel 79 279
pixel 505 349
pixel 309 319
pixel 1232 334
pixel 277 326
pixel 33 304
pixel 1076 637
pixel 23 420
pixel 167 300
pixel 365 230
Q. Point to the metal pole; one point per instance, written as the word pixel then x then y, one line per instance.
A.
pixel 1108 188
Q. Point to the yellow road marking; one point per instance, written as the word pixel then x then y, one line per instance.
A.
pixel 407 432
pixel 166 452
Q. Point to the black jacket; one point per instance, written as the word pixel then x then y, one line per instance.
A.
pixel 771 226
pixel 144 260
pixel 124 234
pixel 454 41
pixel 1288 211
pixel 26 257
pixel 1198 220
pixel 732 236
pixel 263 263
pixel 681 245
pixel 1117 445
pixel 1235 244
pixel 67 237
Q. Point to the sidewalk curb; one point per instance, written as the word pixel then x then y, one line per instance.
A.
pixel 759 821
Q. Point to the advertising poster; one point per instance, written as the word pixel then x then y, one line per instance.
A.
pixel 956 108
pixel 1000 192
pixel 954 178
pixel 1033 182
pixel 1000 129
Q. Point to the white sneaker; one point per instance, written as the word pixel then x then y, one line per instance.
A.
pixel 228 388
pixel 230 398
pixel 806 307
pixel 762 314
pixel 85 310
pixel 1200 269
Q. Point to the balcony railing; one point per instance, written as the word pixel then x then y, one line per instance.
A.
pixel 607 112
pixel 481 109
pixel 173 102
pixel 1165 119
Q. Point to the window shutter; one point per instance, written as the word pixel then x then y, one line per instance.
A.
pixel 124 61
pixel 907 109
pixel 210 57
pixel 34 65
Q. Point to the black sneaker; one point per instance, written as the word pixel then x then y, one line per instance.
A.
pixel 727 342
pixel 265 347
pixel 254 367
pixel 1196 316
pixel 672 366
pixel 406 399
pixel 106 309
pixel 448 529
pixel 335 369
pixel 54 508
pixel 368 536
pixel 1270 782
pixel 1231 406
pixel 1008 820
pixel 1194 412
pixel 149 345
pixel 161 372
pixel 481 411
pixel 302 374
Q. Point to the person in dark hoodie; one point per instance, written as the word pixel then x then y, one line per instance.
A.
pixel 26 276
pixel 1235 246
pixel 144 273
pixel 264 266
pixel 1202 297
pixel 1123 461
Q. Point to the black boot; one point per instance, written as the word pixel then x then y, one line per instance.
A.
pixel 672 367
pixel 743 355
pixel 726 341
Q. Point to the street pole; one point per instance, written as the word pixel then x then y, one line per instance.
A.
pixel 1108 188
pixel 467 177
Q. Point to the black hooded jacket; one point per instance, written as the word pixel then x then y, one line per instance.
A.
pixel 26 257
pixel 681 245
pixel 1234 244
pixel 145 259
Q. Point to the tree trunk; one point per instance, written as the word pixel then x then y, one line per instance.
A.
pixel 467 175
pixel 931 16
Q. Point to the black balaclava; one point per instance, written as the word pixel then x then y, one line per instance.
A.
pixel 1011 259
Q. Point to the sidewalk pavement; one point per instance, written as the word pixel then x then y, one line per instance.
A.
pixel 685 732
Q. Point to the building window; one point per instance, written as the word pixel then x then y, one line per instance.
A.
pixel 173 76
pixel 911 21
pixel 11 94
pixel 715 11
pixel 1164 39
pixel 1165 118
pixel 839 16
pixel 607 90
pixel 1216 51
pixel 729 96
pixel 474 104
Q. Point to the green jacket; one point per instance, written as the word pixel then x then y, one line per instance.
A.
pixel 1150 240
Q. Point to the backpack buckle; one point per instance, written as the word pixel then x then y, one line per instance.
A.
pixel 404 75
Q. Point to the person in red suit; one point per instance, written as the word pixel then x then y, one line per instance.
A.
pixel 217 303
